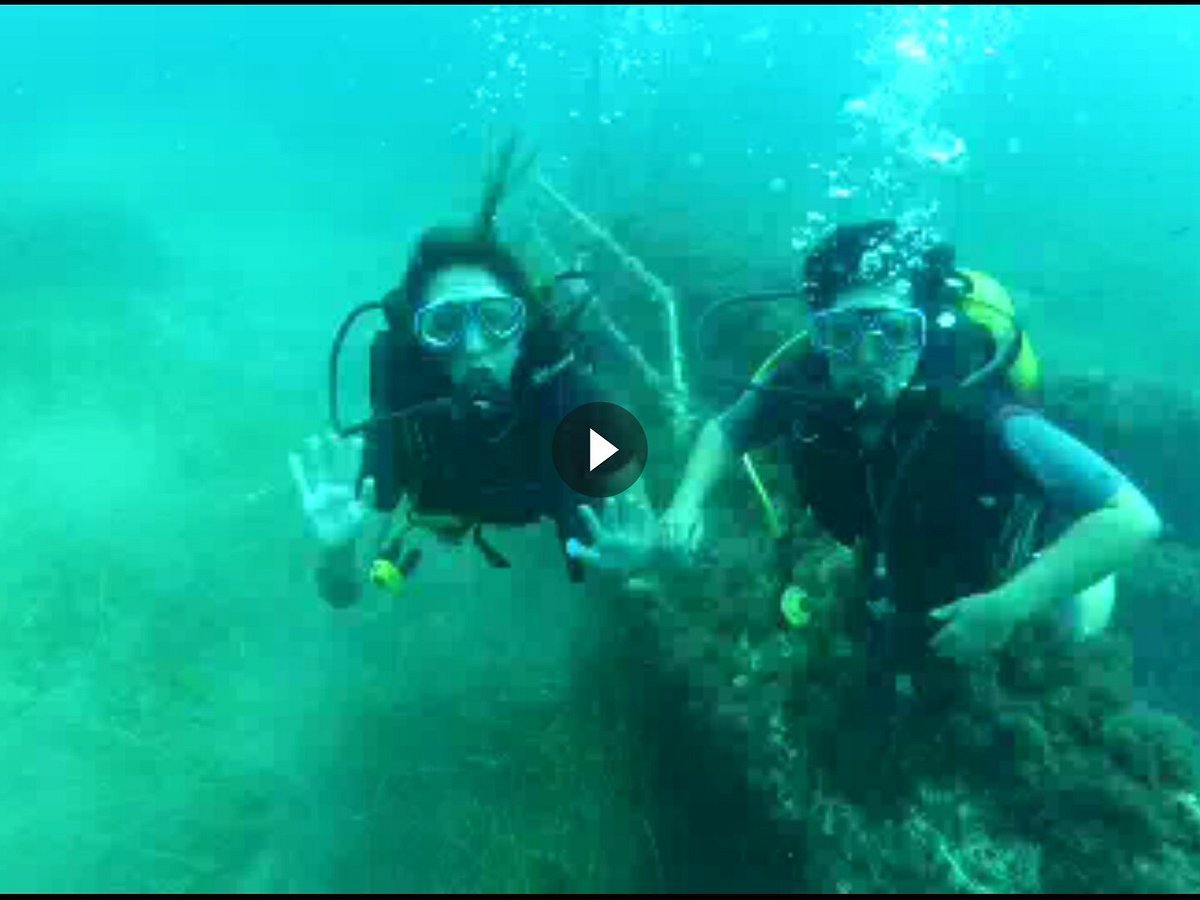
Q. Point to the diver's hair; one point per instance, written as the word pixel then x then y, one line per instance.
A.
pixel 439 249
pixel 873 253
pixel 498 183
pixel 442 247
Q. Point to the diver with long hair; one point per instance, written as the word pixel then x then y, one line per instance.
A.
pixel 470 375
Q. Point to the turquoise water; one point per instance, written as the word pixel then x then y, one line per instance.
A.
pixel 190 200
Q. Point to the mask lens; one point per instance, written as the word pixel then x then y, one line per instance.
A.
pixel 501 317
pixel 444 323
pixel 837 330
pixel 840 330
pixel 844 332
pixel 902 329
pixel 441 324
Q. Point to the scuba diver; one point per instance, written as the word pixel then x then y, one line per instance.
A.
pixel 909 413
pixel 470 376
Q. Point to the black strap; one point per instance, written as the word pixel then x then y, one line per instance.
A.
pixel 490 553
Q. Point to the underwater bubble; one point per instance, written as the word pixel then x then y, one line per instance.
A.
pixel 942 148
pixel 910 46
pixel 756 35
pixel 880 178
pixel 695 160
pixel 777 185
pixel 1014 145
pixel 840 193
pixel 857 107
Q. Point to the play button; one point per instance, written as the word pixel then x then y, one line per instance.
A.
pixel 600 450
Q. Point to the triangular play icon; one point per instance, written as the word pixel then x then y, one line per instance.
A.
pixel 599 450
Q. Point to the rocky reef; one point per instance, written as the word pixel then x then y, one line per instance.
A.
pixel 1051 767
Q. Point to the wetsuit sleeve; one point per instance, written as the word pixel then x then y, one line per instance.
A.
pixel 1074 478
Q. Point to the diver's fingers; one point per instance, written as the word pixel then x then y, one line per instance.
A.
pixel 591 521
pixel 636 502
pixel 349 452
pixel 296 464
pixel 638 494
pixel 576 549
pixel 947 612
pixel 313 458
pixel 645 510
pixel 642 585
pixel 639 518
pixel 612 513
pixel 368 493
pixel 336 450
pixel 331 456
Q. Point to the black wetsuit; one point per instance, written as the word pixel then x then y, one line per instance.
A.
pixel 495 471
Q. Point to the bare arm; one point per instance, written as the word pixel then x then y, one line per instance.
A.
pixel 756 419
pixel 708 462
pixel 1112 519
pixel 1093 547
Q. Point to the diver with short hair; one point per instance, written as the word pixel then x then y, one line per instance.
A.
pixel 909 414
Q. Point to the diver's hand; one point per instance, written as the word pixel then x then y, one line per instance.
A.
pixel 325 478
pixel 682 528
pixel 979 624
pixel 625 535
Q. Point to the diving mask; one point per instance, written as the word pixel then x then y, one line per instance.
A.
pixel 839 332
pixel 443 324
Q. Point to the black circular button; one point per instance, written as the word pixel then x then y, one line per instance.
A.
pixel 600 449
